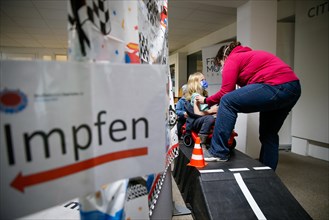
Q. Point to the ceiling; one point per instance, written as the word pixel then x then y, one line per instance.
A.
pixel 43 23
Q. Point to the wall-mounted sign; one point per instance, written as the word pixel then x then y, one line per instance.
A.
pixel 211 72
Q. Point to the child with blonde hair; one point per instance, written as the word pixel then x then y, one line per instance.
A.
pixel 197 86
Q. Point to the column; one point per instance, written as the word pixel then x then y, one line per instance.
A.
pixel 256 28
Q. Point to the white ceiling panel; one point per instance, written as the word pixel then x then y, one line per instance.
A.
pixel 55 14
pixel 17 3
pixel 26 23
pixel 211 17
pixel 37 19
pixel 51 4
pixel 56 24
pixel 7 41
pixel 21 12
pixel 27 41
pixel 38 30
pixel 15 36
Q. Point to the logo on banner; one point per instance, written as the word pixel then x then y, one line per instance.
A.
pixel 12 101
pixel 211 67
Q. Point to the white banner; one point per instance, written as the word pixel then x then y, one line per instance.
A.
pixel 67 128
pixel 211 72
pixel 66 211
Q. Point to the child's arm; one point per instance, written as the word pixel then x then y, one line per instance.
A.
pixel 197 111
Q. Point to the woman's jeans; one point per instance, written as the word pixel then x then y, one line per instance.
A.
pixel 274 104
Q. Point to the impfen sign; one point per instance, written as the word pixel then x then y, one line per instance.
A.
pixel 67 128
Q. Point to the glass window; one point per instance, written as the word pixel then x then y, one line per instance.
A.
pixel 17 56
pixel 46 57
pixel 60 57
pixel 172 76
pixel 194 63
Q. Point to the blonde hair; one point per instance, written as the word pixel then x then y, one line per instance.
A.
pixel 194 85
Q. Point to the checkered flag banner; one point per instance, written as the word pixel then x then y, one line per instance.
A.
pixel 90 30
pixel 158 183
pixel 121 31
pixel 99 15
pixel 144 53
pixel 136 191
pixel 153 11
pixel 76 18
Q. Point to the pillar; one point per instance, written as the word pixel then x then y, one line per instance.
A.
pixel 256 28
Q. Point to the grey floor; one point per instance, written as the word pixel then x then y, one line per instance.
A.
pixel 306 178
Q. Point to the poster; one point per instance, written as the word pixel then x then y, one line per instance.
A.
pixel 211 72
pixel 126 32
pixel 62 130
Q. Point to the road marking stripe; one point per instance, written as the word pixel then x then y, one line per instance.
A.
pixel 238 169
pixel 212 171
pixel 261 168
pixel 249 197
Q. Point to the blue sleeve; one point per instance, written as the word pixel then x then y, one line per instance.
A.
pixel 180 109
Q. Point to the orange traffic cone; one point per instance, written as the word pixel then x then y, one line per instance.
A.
pixel 197 159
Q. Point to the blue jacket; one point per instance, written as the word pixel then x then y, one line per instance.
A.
pixel 180 107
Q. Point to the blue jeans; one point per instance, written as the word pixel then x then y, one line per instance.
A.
pixel 274 104
pixel 203 124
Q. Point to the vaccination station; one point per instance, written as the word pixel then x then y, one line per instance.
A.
pixel 164 109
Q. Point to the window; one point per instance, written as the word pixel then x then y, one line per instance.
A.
pixel 17 56
pixel 194 63
pixel 60 57
pixel 172 76
pixel 46 57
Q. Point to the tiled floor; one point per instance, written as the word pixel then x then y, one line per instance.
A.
pixel 179 202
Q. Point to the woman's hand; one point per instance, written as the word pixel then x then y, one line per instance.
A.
pixel 200 99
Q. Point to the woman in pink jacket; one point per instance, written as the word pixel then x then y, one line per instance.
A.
pixel 267 85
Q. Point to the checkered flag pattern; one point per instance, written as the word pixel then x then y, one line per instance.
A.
pixel 154 195
pixel 99 15
pixel 77 18
pixel 144 52
pixel 136 191
pixel 153 12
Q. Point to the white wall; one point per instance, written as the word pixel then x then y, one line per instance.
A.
pixel 310 117
pixel 180 62
pixel 308 133
pixel 256 27
pixel 285 50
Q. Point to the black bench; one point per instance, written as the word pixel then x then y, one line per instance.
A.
pixel 241 188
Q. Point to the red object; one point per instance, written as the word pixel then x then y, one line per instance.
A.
pixel 197 158
pixel 194 136
pixel 21 182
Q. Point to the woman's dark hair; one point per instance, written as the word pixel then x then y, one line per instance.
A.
pixel 227 49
